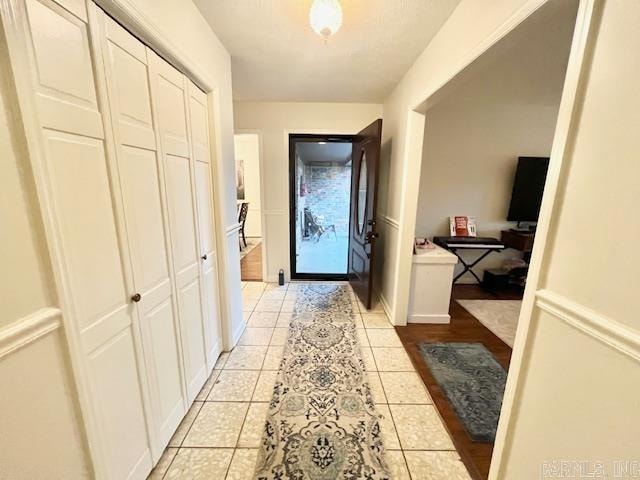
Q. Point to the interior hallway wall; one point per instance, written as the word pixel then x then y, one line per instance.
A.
pixel 474 136
pixel 248 150
pixel 577 395
pixel 275 121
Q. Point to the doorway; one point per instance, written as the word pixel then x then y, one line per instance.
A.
pixel 320 177
pixel 249 205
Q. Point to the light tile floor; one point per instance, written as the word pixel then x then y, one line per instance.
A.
pixel 220 434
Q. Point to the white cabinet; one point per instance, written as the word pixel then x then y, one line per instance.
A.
pixel 119 142
pixel 431 280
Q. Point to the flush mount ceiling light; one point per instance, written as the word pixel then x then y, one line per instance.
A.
pixel 325 17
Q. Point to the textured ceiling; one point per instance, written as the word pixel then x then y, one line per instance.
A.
pixel 276 56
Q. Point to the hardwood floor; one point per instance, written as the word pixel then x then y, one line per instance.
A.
pixel 251 265
pixel 463 328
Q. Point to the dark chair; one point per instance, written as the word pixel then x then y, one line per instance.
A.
pixel 313 226
pixel 242 218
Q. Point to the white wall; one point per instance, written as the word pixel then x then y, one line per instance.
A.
pixel 275 121
pixel 470 30
pixel 248 149
pixel 42 435
pixel 576 398
pixel 474 136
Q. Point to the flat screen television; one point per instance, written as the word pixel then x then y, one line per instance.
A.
pixel 528 187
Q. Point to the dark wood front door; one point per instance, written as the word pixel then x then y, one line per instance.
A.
pixel 364 193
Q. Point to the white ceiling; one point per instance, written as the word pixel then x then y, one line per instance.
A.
pixel 276 56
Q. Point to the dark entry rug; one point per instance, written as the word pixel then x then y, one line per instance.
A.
pixel 472 380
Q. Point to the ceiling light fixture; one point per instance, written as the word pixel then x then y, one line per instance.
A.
pixel 325 17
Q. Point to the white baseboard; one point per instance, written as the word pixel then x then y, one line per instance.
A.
pixel 238 332
pixel 440 319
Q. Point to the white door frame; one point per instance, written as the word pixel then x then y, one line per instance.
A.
pixel 412 161
pixel 125 12
pixel 263 229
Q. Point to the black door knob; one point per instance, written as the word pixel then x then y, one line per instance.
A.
pixel 204 257
pixel 136 298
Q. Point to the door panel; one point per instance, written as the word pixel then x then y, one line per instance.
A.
pixel 191 310
pixel 204 202
pixel 95 267
pixel 169 96
pixel 120 409
pixel 146 229
pixel 181 211
pixel 364 194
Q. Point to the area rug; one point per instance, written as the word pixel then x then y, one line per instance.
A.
pixel 472 380
pixel 251 244
pixel 499 316
pixel 322 423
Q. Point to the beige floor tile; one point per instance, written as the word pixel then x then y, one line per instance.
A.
pixel 253 425
pixel 273 357
pixel 200 464
pixel 420 428
pixel 249 304
pixel 276 286
pixel 234 386
pixel 243 464
pixel 397 465
pixel 367 357
pixel 383 337
pixel 255 336
pixel 375 320
pixel 358 320
pixel 163 464
pixel 376 387
pixel 273 294
pixel 288 306
pixel 218 424
pixel 389 435
pixel 404 387
pixel 263 319
pixel 279 336
pixel 249 294
pixel 222 359
pixel 269 306
pixel 264 387
pixel 436 465
pixel 245 316
pixel 391 359
pixel 246 358
pixel 284 319
pixel 362 337
pixel 206 388
pixel 185 425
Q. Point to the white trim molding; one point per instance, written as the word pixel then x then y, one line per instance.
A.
pixel 28 329
pixel 231 229
pixel 600 327
pixel 392 222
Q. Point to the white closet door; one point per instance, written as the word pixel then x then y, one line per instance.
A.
pixel 200 147
pixel 94 269
pixel 141 188
pixel 169 98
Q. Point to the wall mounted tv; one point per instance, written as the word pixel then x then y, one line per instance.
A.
pixel 528 187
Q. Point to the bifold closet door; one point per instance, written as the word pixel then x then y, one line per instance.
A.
pixel 169 97
pixel 140 173
pixel 202 164
pixel 92 266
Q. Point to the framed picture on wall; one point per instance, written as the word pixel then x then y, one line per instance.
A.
pixel 240 178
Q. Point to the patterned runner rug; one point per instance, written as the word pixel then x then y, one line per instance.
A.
pixel 322 423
